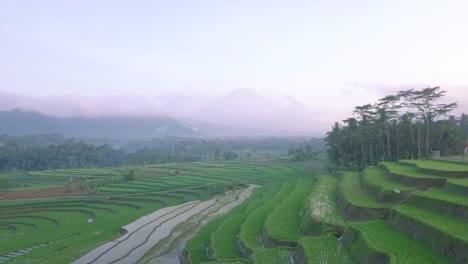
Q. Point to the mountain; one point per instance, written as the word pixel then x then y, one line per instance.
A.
pixel 249 110
pixel 241 112
pixel 18 122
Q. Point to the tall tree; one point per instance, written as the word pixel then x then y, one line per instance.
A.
pixel 388 129
pixel 428 110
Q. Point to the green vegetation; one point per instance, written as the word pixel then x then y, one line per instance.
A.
pixel 441 201
pixel 321 203
pixel 376 183
pixel 438 165
pixel 446 224
pixel 61 228
pixel 252 227
pixel 282 224
pixel 324 249
pixel 405 125
pixel 279 255
pixel 273 225
pixel 457 186
pixel 460 182
pixel 409 171
pixel 355 203
pixel 444 234
pixel 352 192
pixel 224 239
pixel 399 247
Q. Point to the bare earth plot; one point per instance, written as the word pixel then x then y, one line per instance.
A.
pixel 161 236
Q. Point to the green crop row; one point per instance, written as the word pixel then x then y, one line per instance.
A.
pixel 462 182
pixel 224 239
pixel 34 219
pixel 324 250
pixel 448 225
pixel 376 177
pixel 252 227
pixel 283 222
pixel 352 192
pixel 279 255
pixel 438 165
pixel 399 247
pixel 409 171
pixel 322 202
pixel 375 182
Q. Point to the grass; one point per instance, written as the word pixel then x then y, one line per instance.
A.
pixel 324 250
pixel 198 246
pixel 400 247
pixel 461 182
pixel 18 181
pixel 224 239
pixel 376 183
pixel 279 255
pixel 283 222
pixel 352 192
pixel 448 225
pixel 409 171
pixel 439 194
pixel 25 223
pixel 376 177
pixel 322 204
pixel 254 223
pixel 438 165
pixel 276 210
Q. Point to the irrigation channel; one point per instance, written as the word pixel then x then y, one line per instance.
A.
pixel 160 237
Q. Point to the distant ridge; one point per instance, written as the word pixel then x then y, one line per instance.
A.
pixel 19 122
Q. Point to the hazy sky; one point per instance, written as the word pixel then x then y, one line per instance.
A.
pixel 323 53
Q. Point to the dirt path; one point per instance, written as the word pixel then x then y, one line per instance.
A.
pixel 159 230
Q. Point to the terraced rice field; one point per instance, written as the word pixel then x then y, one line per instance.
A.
pixel 147 232
pixel 390 245
pixel 58 230
pixel 251 229
pixel 246 212
pixel 322 202
pixel 279 255
pixel 430 226
pixel 323 250
pixel 377 184
pixel 282 224
pixel 438 165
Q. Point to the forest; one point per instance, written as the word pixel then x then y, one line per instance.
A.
pixel 53 151
pixel 411 124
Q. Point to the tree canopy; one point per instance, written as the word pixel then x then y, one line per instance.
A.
pixel 406 125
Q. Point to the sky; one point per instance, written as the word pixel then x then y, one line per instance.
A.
pixel 328 55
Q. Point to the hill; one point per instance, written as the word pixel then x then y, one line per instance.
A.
pixel 18 122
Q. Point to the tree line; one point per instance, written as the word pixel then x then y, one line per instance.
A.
pixel 308 150
pixel 407 125
pixel 42 152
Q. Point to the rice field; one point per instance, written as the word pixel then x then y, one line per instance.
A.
pixel 282 224
pixel 324 250
pixel 279 255
pixel 383 189
pixel 438 165
pixel 321 202
pixel 210 218
pixel 251 229
pixel 351 190
pixel 399 247
pixel 58 230
pixel 408 171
